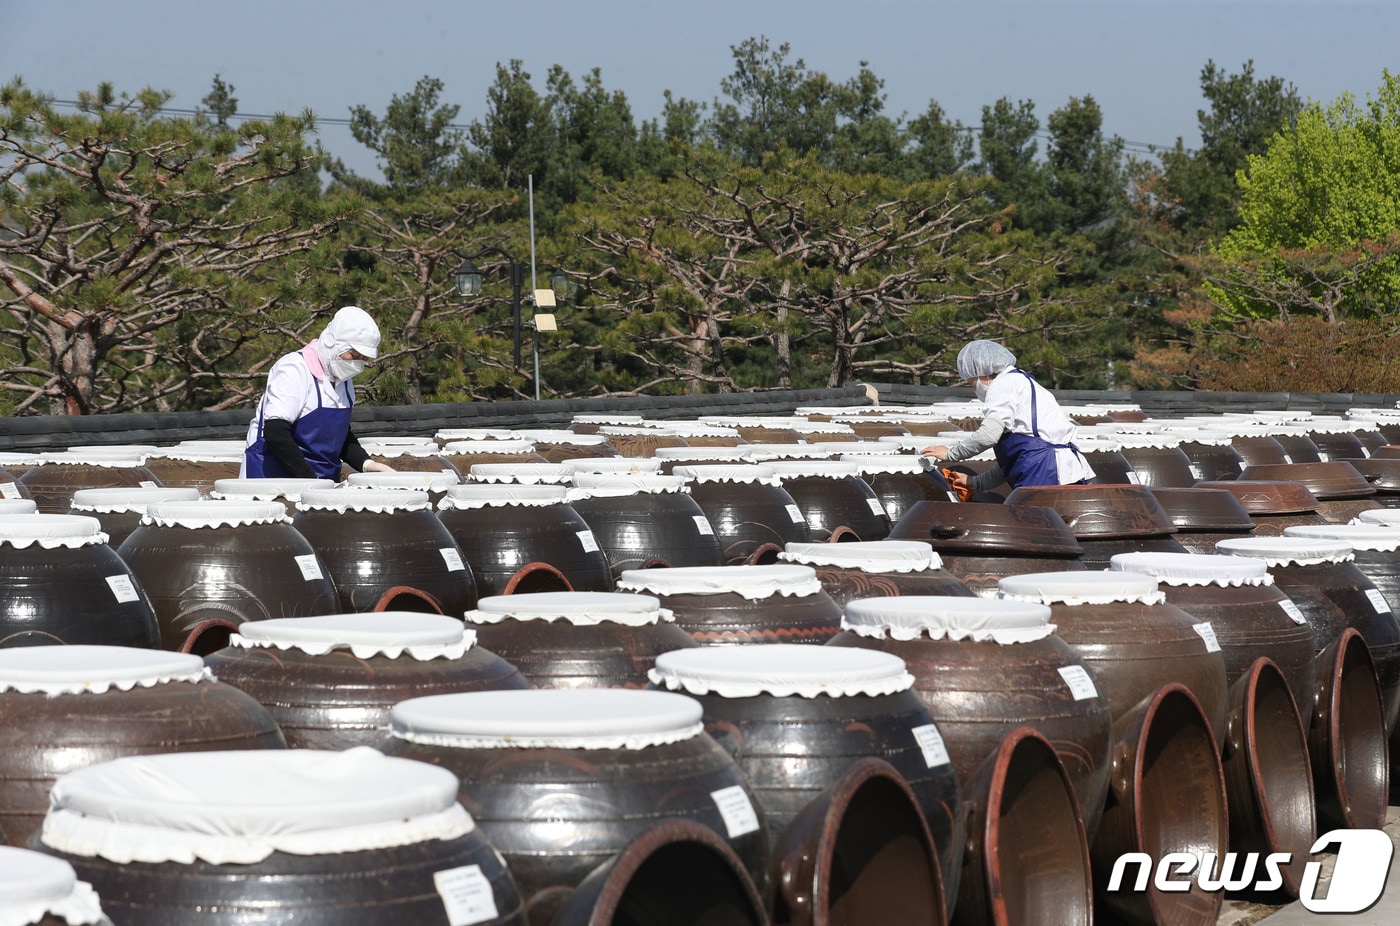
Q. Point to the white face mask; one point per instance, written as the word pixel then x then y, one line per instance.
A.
pixel 338 370
pixel 980 386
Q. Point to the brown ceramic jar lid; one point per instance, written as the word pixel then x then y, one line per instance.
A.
pixel 1258 496
pixel 1101 512
pixel 1015 530
pixel 1197 509
pixel 1333 479
pixel 1383 473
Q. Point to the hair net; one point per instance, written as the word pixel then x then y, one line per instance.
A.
pixel 983 358
pixel 352 328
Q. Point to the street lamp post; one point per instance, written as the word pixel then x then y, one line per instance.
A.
pixel 468 282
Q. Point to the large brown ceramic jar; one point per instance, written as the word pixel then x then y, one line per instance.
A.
pixel 901 481
pixel 1339 488
pixel 407 455
pixel 67 707
pixel 560 781
pixel 796 719
pixel 1203 516
pixel 671 457
pixel 703 435
pixel 985 667
pixel 612 466
pixel 640 441
pixel 40 890
pixel 876 569
pixel 519 539
pixel 435 483
pixel 120 510
pixel 1105 458
pixel 1337 438
pixel 644 521
pixel 982 543
pixel 1106 519
pixel 1297 446
pixel 1375 546
pixel 13 465
pixel 578 639
pixel 465 454
pixel 208 566
pixel 1384 476
pixel 63 584
pixel 1321 577
pixel 837 503
pixel 1132 639
pixel 1157 460
pixel 1212 454
pixel 385 550
pixel 752 514
pixel 1250 616
pixel 1272 506
pixel 519 474
pixel 196 464
pixel 318 838
pixel 330 680
pixel 728 605
pixel 54 478
pixel 1257 446
pixel 771 453
pixel 589 424
pixel 286 491
pixel 558 446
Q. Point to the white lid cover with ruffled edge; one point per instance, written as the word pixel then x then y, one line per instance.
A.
pixel 218 445
pixel 447 435
pixel 1160 441
pixel 129 499
pixel 267 490
pixel 684 429
pixel 1336 425
pixel 1079 588
pixel 556 436
pixel 374 501
pixel 814 469
pixel 82 668
pixel 1369 538
pixel 631 466
pixel 640 429
pixel 488 445
pixel 607 485
pixel 118 455
pixel 1380 517
pixel 239 807
pixel 852 448
pixel 400 446
pixel 1197 569
pixel 615 419
pixel 821 427
pixel 936 617
pixel 521 473
pixel 774 453
pixel 582 609
pixel 17 459
pixel 870 464
pixel 544 718
pixel 682 454
pixel 503 495
pixel 18 506
pixel 214 513
pixel 1214 438
pixel 783 670
pixel 752 582
pixel 428 482
pixel 50 531
pixel 1098 443
pixel 743 473
pixel 199 454
pixel 34 885
pixel 1288 551
pixel 382 633
pixel 867 555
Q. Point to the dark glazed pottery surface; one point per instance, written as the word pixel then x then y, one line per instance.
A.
pixel 64 595
pixel 556 654
pixel 499 542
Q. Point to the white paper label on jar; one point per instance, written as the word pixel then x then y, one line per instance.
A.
pixel 931 744
pixel 1207 633
pixel 1287 458
pixel 453 558
pixel 1197 471
pixel 1293 611
pixel 589 543
pixel 952 496
pixel 1244 465
pixel 123 588
pixel 1378 601
pixel 310 569
pixel 1133 477
pixel 702 524
pixel 736 809
pixel 1081 685
pixel 9 490
pixel 466 895
pixel 148 484
pixel 875 506
pixel 1324 456
pixel 1365 452
pixel 796 514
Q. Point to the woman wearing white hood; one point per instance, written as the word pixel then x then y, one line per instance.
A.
pixel 302 428
pixel 1032 437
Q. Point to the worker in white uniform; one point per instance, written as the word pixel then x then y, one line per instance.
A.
pixel 1031 436
pixel 302 426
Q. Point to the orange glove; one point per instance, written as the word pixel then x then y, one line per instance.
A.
pixel 959 482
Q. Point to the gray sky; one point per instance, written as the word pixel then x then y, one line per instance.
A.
pixel 1141 59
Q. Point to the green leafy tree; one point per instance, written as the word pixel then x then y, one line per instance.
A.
pixel 221 101
pixel 1007 147
pixel 417 147
pixel 515 138
pixel 936 147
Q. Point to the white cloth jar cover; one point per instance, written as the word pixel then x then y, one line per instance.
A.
pixel 1382 517
pixel 782 670
pixel 200 453
pixel 867 555
pixel 579 608
pixel 604 485
pixel 239 807
pixel 869 464
pixel 503 495
pixel 1334 425
pixel 814 469
pixel 550 718
pixel 1288 551
pixel 1163 441
pixel 852 448
pixel 1194 568
pixel 774 453
pixel 738 454
pixel 936 617
pixel 123 456
pixel 18 506
pixel 401 446
pixel 752 582
pixel 50 531
pixel 632 466
pixel 557 436
pixel 1371 538
pixel 1214 438
pixel 1076 588
pixel 266 490
pixel 488 445
pixel 448 435
pixel 34 885
pixel 425 481
pixel 83 668
pixel 128 499
pixel 653 430
pixel 381 633
pixel 746 473
pixel 376 501
pixel 522 473
pixel 601 419
pixel 684 429
pixel 215 513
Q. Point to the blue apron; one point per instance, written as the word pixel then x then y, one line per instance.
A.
pixel 320 434
pixel 1029 459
